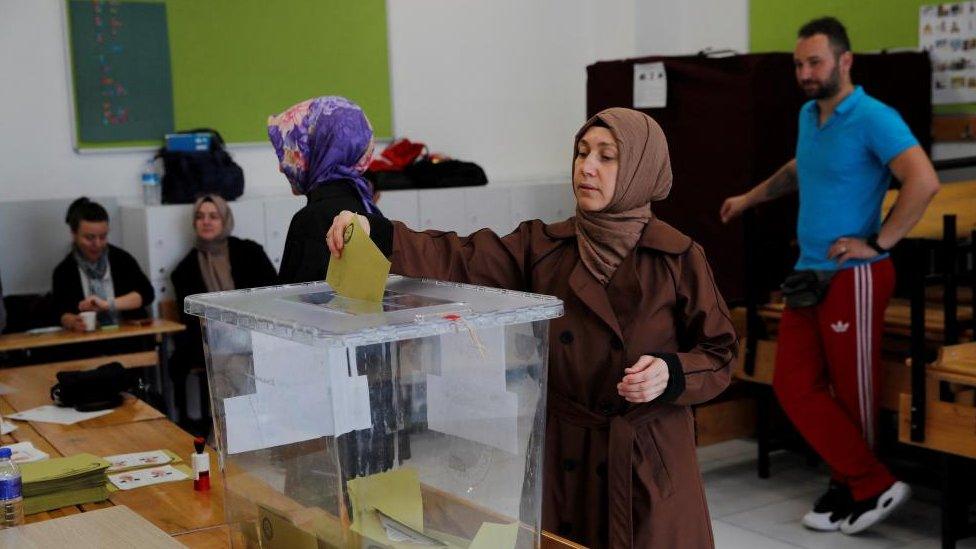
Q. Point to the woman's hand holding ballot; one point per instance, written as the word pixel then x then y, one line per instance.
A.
pixel 334 237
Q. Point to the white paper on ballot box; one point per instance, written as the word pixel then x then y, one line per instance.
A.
pixel 467 409
pixel 469 399
pixel 475 355
pixel 301 393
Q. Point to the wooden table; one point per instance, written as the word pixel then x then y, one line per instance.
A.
pixel 195 519
pixel 113 527
pixel 24 340
pixel 162 328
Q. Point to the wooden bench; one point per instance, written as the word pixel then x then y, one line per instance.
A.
pixel 950 429
pixel 897 321
pixel 957 199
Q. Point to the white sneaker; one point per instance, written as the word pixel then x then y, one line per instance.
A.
pixel 830 510
pixel 867 513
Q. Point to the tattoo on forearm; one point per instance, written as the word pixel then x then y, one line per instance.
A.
pixel 781 183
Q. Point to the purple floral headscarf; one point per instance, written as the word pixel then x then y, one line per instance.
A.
pixel 323 139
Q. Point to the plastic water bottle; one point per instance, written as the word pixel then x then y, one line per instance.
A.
pixel 152 191
pixel 11 500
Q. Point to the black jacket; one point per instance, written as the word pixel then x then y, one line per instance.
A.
pixel 249 267
pixel 306 255
pixel 126 277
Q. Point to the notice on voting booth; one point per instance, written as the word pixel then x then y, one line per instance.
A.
pixel 650 86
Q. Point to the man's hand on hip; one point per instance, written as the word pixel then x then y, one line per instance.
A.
pixel 850 248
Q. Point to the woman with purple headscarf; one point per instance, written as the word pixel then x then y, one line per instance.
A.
pixel 323 145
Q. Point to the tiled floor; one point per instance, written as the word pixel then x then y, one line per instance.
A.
pixel 752 513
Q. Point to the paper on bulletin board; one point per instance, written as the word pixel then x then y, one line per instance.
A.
pixel 301 393
pixel 650 86
pixel 948 32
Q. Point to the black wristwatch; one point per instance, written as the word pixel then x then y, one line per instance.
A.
pixel 873 242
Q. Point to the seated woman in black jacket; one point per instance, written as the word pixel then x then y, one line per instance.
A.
pixel 216 263
pixel 97 276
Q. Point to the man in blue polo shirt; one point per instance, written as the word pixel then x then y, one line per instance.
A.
pixel 828 361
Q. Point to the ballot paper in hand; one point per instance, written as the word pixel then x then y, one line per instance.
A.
pixel 361 271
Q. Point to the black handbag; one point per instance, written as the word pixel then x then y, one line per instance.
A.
pixel 187 175
pixel 805 288
pixel 426 174
pixel 90 390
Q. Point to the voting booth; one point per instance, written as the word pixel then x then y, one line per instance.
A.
pixel 416 421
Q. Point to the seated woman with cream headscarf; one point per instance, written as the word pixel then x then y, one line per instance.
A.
pixel 217 262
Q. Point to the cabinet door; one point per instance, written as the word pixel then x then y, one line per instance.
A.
pixel 164 292
pixel 488 207
pixel 278 212
pixel 548 202
pixel 443 209
pixel 169 236
pixel 249 220
pixel 401 206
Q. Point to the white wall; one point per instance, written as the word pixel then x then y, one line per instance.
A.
pixel 681 27
pixel 500 82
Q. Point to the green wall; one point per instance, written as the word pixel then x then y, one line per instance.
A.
pixel 235 62
pixel 871 25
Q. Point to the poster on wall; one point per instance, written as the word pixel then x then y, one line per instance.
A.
pixel 948 33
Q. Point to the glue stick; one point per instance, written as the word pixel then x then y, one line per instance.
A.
pixel 201 465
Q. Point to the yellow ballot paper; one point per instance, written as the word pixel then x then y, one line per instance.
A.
pixel 388 508
pixel 394 493
pixel 495 536
pixel 362 270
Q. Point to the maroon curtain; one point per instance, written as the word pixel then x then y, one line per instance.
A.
pixel 730 123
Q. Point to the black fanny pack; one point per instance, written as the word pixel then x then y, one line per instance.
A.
pixel 805 288
pixel 90 390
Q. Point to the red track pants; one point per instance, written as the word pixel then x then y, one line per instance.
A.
pixel 828 374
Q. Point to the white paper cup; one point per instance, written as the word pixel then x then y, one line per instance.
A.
pixel 89 318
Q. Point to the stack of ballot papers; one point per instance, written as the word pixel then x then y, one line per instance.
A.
pixel 61 482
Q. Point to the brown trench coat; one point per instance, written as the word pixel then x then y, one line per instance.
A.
pixel 615 474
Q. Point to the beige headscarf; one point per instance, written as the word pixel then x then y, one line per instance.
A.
pixel 213 254
pixel 606 237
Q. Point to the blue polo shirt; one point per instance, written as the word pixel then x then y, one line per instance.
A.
pixel 843 174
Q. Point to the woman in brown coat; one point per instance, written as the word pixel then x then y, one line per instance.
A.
pixel 645 335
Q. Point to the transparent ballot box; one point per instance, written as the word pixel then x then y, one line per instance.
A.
pixel 414 422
